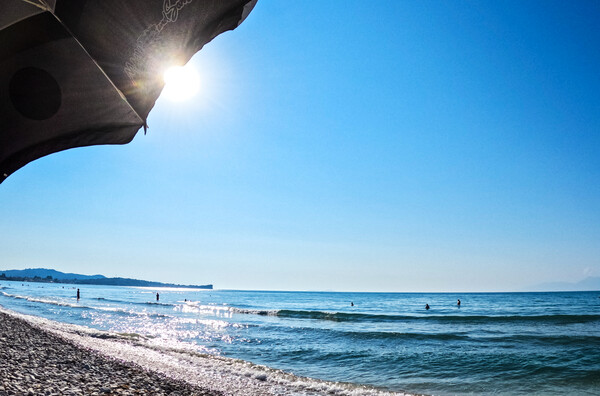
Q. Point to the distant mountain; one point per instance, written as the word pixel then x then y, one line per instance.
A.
pixel 588 284
pixel 50 275
pixel 44 273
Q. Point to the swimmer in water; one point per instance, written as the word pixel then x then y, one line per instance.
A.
pixel 458 303
pixel 426 306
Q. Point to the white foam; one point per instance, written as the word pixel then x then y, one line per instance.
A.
pixel 61 303
pixel 189 362
pixel 221 310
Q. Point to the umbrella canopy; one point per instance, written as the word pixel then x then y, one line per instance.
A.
pixel 77 73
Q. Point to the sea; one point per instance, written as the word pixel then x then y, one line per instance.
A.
pixel 493 343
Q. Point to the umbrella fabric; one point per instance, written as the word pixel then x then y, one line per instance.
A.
pixel 77 73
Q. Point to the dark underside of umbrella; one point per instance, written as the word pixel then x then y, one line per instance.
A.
pixel 77 73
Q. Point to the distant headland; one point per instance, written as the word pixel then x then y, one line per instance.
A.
pixel 52 276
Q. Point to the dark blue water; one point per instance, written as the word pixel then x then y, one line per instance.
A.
pixel 494 343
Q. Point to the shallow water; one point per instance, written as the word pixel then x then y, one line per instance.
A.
pixel 495 343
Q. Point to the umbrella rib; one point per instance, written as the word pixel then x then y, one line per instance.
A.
pixel 40 4
pixel 143 121
pixel 43 7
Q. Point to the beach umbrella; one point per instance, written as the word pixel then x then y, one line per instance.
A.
pixel 77 73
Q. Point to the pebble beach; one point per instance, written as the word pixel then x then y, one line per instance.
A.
pixel 39 356
pixel 36 362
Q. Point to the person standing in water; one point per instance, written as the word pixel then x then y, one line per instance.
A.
pixel 157 297
pixel 426 306
pixel 78 295
pixel 458 303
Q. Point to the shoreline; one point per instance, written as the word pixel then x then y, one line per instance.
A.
pixel 36 361
pixel 54 358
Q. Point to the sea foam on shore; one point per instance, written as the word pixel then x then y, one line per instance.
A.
pixel 48 357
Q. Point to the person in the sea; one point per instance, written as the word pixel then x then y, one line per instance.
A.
pixel 426 306
pixel 78 295
pixel 351 303
pixel 458 303
pixel 157 297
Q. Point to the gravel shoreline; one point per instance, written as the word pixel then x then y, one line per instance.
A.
pixel 39 356
pixel 36 362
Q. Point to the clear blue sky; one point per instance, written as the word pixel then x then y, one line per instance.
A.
pixel 346 145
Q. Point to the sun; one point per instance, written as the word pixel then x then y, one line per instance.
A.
pixel 181 83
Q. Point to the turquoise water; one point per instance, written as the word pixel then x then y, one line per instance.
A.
pixel 495 343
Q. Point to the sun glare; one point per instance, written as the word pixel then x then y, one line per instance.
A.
pixel 181 83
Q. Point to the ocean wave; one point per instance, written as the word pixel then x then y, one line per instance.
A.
pixel 261 312
pixel 77 305
pixel 110 300
pixel 457 336
pixel 129 312
pixel 134 302
pixel 465 319
pixel 546 319
pixel 382 335
pixel 220 310
pixel 155 303
pixel 587 341
pixel 60 303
